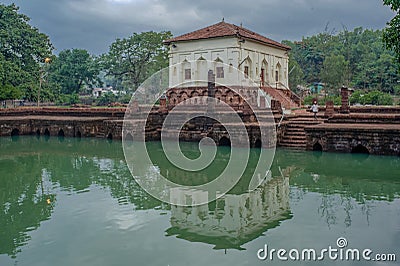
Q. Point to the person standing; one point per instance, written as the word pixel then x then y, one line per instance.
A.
pixel 314 109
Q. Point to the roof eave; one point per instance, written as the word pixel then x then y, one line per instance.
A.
pixel 280 46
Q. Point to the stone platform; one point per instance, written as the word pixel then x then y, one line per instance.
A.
pixel 375 131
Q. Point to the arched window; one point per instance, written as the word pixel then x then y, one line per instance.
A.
pixel 186 70
pixel 201 70
pixel 278 73
pixel 247 68
pixel 219 68
pixel 264 73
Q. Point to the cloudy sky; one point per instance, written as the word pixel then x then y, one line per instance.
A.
pixel 95 24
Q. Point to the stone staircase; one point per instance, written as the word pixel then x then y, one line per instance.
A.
pixel 286 97
pixel 295 136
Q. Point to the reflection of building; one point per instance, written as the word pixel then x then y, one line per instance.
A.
pixel 232 220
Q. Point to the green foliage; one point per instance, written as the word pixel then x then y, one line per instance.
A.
pixel 106 99
pixel 373 97
pixel 22 48
pixel 337 100
pixel 68 99
pixel 296 74
pixel 397 90
pixel 355 58
pixel 124 98
pixel 74 69
pixel 334 70
pixel 9 92
pixel 391 34
pixel 132 60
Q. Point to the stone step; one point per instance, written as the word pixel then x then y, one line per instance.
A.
pixel 292 142
pixel 289 138
pixel 295 133
pixel 294 129
pixel 305 122
pixel 294 147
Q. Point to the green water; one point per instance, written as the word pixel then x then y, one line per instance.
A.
pixel 74 202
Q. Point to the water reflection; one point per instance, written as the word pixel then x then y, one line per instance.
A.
pixel 34 172
pixel 233 219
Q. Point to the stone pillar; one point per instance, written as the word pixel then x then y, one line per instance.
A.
pixel 211 84
pixel 163 103
pixel 135 106
pixel 276 105
pixel 329 110
pixel 262 102
pixel 345 108
pixel 211 90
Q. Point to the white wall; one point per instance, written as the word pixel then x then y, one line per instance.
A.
pixel 234 55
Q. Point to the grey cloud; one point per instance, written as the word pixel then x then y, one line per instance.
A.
pixel 94 24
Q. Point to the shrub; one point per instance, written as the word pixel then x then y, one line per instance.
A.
pixel 106 99
pixel 374 97
pixel 337 100
pixel 9 92
pixel 68 99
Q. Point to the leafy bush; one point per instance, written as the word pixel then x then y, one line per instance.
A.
pixel 125 98
pixel 9 92
pixel 337 100
pixel 68 99
pixel 374 97
pixel 397 90
pixel 106 99
pixel 308 99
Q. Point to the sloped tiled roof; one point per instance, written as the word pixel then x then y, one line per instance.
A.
pixel 223 29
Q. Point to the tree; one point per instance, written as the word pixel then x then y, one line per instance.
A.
pixel 22 47
pixel 370 65
pixel 296 74
pixel 132 60
pixel 334 71
pixel 391 35
pixel 73 69
pixel 9 92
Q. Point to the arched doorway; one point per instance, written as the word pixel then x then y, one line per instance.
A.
pixel 129 137
pixel 38 132
pixel 224 141
pixel 15 132
pixel 360 149
pixel 46 132
pixel 78 134
pixel 61 133
pixel 317 147
pixel 257 144
pixel 109 136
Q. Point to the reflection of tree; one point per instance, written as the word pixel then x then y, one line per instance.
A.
pixel 24 203
pixel 342 180
pixel 328 209
pixel 30 169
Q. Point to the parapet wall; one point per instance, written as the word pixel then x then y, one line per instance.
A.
pixel 50 111
pixel 372 133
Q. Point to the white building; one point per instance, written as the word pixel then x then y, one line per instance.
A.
pixel 223 48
